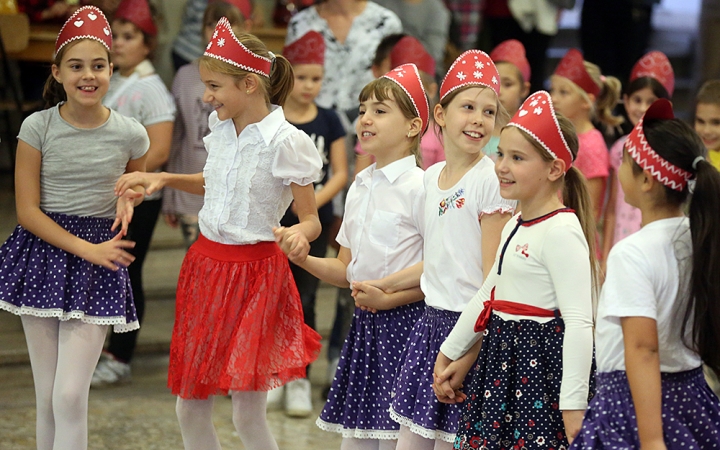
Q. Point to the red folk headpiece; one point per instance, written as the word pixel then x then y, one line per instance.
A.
pixel 472 68
pixel 639 149
pixel 655 65
pixel 409 50
pixel 408 78
pixel 244 6
pixel 225 46
pixel 87 22
pixel 138 13
pixel 307 49
pixel 512 51
pixel 537 118
pixel 572 67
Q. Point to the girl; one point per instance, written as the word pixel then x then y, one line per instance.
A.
pixel 64 268
pixel 652 78
pixel 239 324
pixel 580 93
pixel 180 209
pixel 658 315
pixel 514 69
pixel 529 387
pixel 464 215
pixel 380 234
pixel 137 91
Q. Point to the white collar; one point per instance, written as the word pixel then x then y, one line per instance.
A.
pixel 392 171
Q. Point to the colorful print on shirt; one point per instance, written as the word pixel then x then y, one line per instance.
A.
pixel 455 201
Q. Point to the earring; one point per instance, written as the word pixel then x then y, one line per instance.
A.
pixel 247 92
pixel 408 134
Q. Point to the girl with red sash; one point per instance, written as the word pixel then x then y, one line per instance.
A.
pixel 530 385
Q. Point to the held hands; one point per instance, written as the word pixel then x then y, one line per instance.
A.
pixel 151 181
pixel 368 296
pixel 572 419
pixel 448 380
pixel 124 210
pixel 293 243
pixel 110 254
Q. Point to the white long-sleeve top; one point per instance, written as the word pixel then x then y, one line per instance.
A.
pixel 544 263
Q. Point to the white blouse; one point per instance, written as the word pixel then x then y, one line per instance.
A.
pixel 545 264
pixel 383 220
pixel 247 177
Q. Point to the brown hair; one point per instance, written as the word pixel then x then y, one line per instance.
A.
pixel 53 91
pixel 276 88
pixel 502 117
pixel 216 10
pixel 575 191
pixel 607 99
pixel 149 40
pixel 709 93
pixel 381 88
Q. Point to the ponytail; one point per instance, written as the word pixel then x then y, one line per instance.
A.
pixel 53 92
pixel 607 99
pixel 282 79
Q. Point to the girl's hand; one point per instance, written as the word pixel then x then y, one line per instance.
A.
pixel 124 210
pixel 368 297
pixel 443 389
pixel 293 243
pixel 171 220
pixel 151 181
pixel 445 384
pixel 572 418
pixel 110 254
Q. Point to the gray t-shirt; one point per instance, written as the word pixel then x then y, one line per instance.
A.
pixel 80 166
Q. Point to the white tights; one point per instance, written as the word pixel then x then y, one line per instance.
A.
pixel 411 441
pixel 367 444
pixel 198 431
pixel 63 356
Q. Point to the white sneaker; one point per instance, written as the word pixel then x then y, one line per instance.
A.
pixel 298 398
pixel 275 398
pixel 110 371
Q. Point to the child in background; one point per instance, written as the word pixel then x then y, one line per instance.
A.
pixel 464 215
pixel 707 119
pixel 63 270
pixel 307 55
pixel 514 69
pixel 651 78
pixel 188 154
pixel 580 93
pixel 239 327
pixel 381 61
pixel 658 316
pixel 137 91
pixel 381 234
pixel 533 316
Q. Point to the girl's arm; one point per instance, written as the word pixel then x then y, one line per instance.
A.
pixel 330 270
pixel 108 254
pixel 295 240
pixel 132 197
pixel 193 183
pixel 160 135
pixel 374 299
pixel 596 188
pixel 491 226
pixel 642 364
pixel 338 180
pixel 408 278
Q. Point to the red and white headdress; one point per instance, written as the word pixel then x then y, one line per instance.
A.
pixel 243 5
pixel 537 118
pixel 408 78
pixel 138 13
pixel 639 149
pixel 572 67
pixel 472 68
pixel 87 22
pixel 655 65
pixel 225 46
pixel 409 50
pixel 307 49
pixel 512 51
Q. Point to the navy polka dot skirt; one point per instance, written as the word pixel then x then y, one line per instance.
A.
pixel 359 400
pixel 690 414
pixel 514 390
pixel 414 403
pixel 39 279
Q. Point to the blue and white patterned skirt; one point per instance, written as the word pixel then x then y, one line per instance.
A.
pixel 41 280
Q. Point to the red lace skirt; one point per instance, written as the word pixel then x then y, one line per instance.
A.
pixel 238 322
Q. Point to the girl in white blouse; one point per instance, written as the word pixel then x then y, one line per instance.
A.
pixel 533 314
pixel 239 322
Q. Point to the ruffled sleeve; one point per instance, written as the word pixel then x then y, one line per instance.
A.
pixel 297 160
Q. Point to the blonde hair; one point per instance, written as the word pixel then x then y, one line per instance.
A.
pixel 381 88
pixel 709 93
pixel 276 88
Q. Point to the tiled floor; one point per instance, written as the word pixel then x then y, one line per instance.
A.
pixel 141 415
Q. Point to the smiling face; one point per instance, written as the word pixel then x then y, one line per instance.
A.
pixel 129 47
pixel 707 124
pixel 381 125
pixel 520 168
pixel 468 121
pixel 84 72
pixel 308 81
pixel 637 103
pixel 222 92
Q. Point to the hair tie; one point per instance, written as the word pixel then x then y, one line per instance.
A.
pixel 272 59
pixel 696 161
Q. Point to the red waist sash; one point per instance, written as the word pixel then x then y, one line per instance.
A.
pixel 509 307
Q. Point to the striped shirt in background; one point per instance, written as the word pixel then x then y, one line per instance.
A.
pixel 188 43
pixel 466 14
